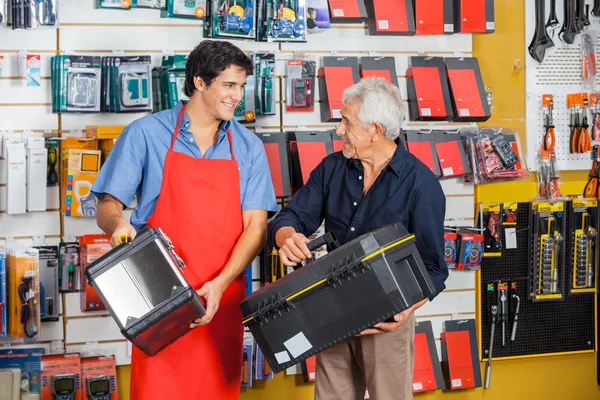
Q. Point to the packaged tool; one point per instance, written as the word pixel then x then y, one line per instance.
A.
pixel 390 17
pixel 28 363
pixel 588 58
pixel 515 305
pixel 31 14
pixel 115 4
pixel 195 9
pixel 309 369
pixel 277 158
pixel 548 176
pixel 247 360
pixel 76 82
pixel 427 374
pixel 428 90
pixel 549 230
pixel 160 4
pixel 231 18
pixel 549 141
pixel 470 251
pixel 81 171
pixel 335 75
pixel 126 85
pixel 467 91
pixel 99 378
pixel 429 19
pixel 61 376
pixel 23 288
pixel 490 223
pixel 379 67
pixel 451 154
pixel 300 86
pixel 347 11
pixel 460 361
pixel 170 78
pixel 151 313
pixel 324 302
pixel 286 20
pixel 69 269
pixel 474 16
pixel 245 111
pixel 91 248
pixel 49 300
pixel 263 369
pixel 497 155
pixel 265 80
pixel 595 117
pixel 579 138
pixel 450 246
pixel 10 383
pixel 584 234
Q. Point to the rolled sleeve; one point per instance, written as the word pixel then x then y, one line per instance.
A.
pixel 259 193
pixel 427 223
pixel 304 212
pixel 121 173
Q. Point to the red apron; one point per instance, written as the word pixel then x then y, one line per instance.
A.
pixel 199 210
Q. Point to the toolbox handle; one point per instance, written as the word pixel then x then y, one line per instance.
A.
pixel 328 239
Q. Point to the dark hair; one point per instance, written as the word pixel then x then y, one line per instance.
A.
pixel 209 59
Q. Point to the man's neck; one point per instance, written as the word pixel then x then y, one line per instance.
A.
pixel 201 122
pixel 379 158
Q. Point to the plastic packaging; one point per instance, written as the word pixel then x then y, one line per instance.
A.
pixel 588 58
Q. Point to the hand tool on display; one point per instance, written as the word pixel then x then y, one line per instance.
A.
pixel 547 259
pixel 541 41
pixel 492 232
pixel 592 186
pixel 503 301
pixel 556 241
pixel 549 136
pixel 596 9
pixel 553 23
pixel 569 28
pixel 580 255
pixel 548 180
pixel 580 17
pixel 591 236
pixel 488 371
pixel 515 304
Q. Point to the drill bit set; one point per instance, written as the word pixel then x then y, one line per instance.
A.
pixel 584 221
pixel 548 266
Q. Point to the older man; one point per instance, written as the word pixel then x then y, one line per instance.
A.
pixel 372 183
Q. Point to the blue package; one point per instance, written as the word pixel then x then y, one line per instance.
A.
pixel 317 15
pixel 29 362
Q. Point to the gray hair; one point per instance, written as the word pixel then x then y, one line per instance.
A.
pixel 378 101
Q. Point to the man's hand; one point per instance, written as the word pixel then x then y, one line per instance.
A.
pixel 212 292
pixel 398 320
pixel 293 247
pixel 122 229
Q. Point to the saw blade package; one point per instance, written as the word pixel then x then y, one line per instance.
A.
pixel 127 84
pixel 76 83
pixel 366 281
pixel 31 14
pixel 231 18
pixel 143 285
pixel 194 9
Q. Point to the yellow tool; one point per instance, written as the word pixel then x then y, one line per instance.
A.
pixel 124 238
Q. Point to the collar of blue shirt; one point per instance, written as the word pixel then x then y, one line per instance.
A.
pixel 395 163
pixel 185 120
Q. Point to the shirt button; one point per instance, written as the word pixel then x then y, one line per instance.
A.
pixel 360 178
pixel 191 139
pixel 352 229
pixel 354 204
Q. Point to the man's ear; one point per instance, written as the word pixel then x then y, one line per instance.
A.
pixel 199 84
pixel 377 131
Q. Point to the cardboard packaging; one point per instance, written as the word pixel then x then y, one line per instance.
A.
pixel 65 366
pixel 335 75
pixel 37 165
pixel 91 248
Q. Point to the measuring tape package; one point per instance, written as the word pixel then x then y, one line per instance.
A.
pixel 366 281
pixel 127 84
pixel 195 9
pixel 143 285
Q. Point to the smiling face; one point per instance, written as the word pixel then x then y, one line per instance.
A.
pixel 357 140
pixel 223 95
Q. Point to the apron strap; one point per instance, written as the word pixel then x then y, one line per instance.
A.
pixel 230 144
pixel 176 131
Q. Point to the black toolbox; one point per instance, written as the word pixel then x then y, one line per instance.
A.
pixel 353 287
pixel 143 287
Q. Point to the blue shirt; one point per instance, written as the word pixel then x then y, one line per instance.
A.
pixel 135 164
pixel 406 191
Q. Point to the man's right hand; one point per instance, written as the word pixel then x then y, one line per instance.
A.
pixel 123 229
pixel 292 245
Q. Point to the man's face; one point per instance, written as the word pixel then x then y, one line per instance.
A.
pixel 356 138
pixel 226 91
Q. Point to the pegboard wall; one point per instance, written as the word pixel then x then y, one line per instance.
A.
pixel 559 74
pixel 543 327
pixel 85 30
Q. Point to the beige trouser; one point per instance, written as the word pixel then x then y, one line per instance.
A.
pixel 383 363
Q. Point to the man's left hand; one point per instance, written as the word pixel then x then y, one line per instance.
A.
pixel 398 320
pixel 212 292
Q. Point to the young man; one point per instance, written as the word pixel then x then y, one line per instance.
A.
pixel 372 183
pixel 204 180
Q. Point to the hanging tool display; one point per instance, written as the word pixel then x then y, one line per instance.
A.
pixel 549 231
pixel 584 219
pixel 552 24
pixel 548 178
pixel 548 108
pixel 488 370
pixel 588 58
pixel 579 138
pixel 595 110
pixel 592 187
pixel 596 9
pixel 569 28
pixel 503 302
pixel 489 217
pixel 541 41
pixel 515 304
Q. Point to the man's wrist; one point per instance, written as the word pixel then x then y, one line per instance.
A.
pixel 282 234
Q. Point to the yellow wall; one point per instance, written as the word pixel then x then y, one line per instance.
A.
pixel 562 377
